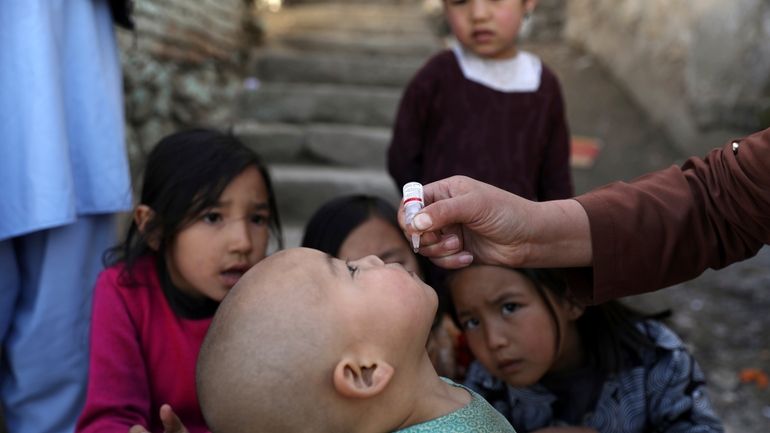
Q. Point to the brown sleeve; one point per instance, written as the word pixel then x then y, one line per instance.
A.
pixel 669 226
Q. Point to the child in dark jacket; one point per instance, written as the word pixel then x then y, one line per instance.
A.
pixel 544 361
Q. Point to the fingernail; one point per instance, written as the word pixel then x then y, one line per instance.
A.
pixel 452 242
pixel 422 222
pixel 465 258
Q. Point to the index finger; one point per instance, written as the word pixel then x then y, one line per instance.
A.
pixel 171 422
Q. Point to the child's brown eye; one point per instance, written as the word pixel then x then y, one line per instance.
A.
pixel 259 219
pixel 469 324
pixel 509 307
pixel 211 217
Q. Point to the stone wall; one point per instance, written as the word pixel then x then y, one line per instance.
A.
pixel 700 68
pixel 183 66
pixel 548 20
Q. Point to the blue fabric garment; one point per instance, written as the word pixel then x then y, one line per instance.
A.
pixel 665 394
pixel 475 417
pixel 61 115
pixel 45 309
pixel 63 174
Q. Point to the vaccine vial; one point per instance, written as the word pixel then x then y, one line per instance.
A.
pixel 413 202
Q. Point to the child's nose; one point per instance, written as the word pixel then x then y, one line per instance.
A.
pixel 479 9
pixel 371 260
pixel 495 337
pixel 240 236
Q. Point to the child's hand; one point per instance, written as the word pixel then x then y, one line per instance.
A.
pixel 171 422
pixel 566 430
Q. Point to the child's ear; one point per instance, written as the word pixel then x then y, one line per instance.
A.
pixel 355 379
pixel 143 214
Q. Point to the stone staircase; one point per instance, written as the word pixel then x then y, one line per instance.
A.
pixel 326 89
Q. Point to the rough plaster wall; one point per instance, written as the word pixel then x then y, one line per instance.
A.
pixel 182 67
pixel 728 72
pixel 549 19
pixel 700 68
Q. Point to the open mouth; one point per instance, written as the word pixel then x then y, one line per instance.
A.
pixel 482 35
pixel 231 276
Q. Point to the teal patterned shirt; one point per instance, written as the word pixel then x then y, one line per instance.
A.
pixel 478 416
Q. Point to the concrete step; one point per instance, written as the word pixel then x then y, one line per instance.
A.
pixel 293 3
pixel 340 43
pixel 329 144
pixel 301 189
pixel 361 18
pixel 277 65
pixel 320 103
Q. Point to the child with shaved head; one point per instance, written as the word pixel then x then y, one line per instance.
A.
pixel 309 343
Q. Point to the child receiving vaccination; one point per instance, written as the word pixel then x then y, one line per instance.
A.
pixel 306 342
pixel 354 226
pixel 484 109
pixel 206 214
pixel 546 362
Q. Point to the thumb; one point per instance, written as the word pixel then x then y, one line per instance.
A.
pixel 441 214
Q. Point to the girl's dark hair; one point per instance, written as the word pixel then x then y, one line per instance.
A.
pixel 185 174
pixel 332 223
pixel 607 331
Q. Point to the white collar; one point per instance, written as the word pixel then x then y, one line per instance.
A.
pixel 520 73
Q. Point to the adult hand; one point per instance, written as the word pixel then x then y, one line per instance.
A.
pixel 171 422
pixel 466 220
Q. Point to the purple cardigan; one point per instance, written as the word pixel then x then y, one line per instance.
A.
pixel 448 125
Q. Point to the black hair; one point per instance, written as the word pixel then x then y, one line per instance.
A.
pixel 333 222
pixel 608 331
pixel 185 174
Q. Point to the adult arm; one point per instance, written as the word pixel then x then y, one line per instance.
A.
pixel 661 229
pixel 671 225
pixel 118 393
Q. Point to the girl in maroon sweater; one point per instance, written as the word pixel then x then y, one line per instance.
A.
pixel 206 214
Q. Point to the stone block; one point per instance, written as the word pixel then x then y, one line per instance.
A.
pixel 301 190
pixel 274 143
pixel 350 145
pixel 304 103
pixel 302 66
